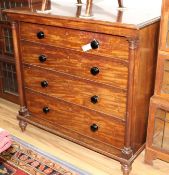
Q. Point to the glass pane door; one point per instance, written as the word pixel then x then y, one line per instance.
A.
pixel 161 130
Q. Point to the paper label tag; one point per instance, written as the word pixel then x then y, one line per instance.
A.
pixel 45 11
pixel 86 47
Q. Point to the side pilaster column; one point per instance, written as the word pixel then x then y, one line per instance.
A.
pixel 133 46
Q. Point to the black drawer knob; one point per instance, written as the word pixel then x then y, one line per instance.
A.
pixel 40 35
pixel 42 58
pixel 94 44
pixel 46 109
pixel 94 99
pixel 94 127
pixel 44 84
pixel 94 70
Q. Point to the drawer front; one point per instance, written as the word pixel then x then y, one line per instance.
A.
pixel 105 99
pixel 74 118
pixel 111 46
pixel 88 66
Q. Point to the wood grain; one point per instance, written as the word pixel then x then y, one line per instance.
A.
pixel 75 119
pixel 111 101
pixel 68 151
pixel 111 46
pixel 131 47
pixel 145 67
pixel 112 71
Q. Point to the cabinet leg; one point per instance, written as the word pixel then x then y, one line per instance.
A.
pixel 149 157
pixel 22 125
pixel 126 169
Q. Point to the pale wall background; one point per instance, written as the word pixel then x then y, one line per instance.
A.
pixel 128 3
pixel 148 8
pixel 142 3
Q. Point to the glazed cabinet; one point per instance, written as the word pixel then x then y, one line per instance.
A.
pixel 81 75
pixel 158 125
pixel 157 145
pixel 8 82
pixel 164 30
pixel 8 79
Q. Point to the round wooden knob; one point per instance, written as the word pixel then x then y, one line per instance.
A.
pixel 44 83
pixel 46 109
pixel 94 99
pixel 94 70
pixel 94 44
pixel 94 127
pixel 42 58
pixel 40 35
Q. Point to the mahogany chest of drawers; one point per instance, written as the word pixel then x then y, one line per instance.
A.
pixel 97 97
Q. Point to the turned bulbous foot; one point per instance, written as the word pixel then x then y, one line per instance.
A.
pixel 22 125
pixel 126 169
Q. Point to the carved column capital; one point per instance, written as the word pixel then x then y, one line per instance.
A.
pixel 13 24
pixel 127 151
pixel 133 43
pixel 23 111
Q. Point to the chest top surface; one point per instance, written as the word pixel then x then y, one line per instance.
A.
pixel 101 11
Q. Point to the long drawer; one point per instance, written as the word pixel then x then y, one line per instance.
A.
pixel 88 123
pixel 95 96
pixel 112 46
pixel 88 66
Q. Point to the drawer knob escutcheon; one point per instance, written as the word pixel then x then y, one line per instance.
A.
pixel 94 44
pixel 42 58
pixel 94 127
pixel 46 109
pixel 44 84
pixel 94 70
pixel 94 99
pixel 40 35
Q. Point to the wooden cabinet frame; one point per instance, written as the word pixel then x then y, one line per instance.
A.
pixel 8 82
pixel 160 100
pixel 153 152
pixel 164 26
